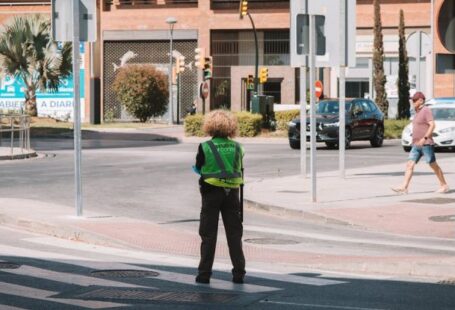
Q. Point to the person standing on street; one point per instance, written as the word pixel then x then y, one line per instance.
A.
pixel 219 162
pixel 422 145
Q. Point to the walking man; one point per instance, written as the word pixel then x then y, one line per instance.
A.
pixel 219 161
pixel 422 145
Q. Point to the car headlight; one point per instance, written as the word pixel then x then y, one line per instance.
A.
pixel 292 124
pixel 447 130
pixel 337 124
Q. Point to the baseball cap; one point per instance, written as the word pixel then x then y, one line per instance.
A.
pixel 418 95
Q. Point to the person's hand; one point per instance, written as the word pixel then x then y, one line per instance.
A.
pixel 420 142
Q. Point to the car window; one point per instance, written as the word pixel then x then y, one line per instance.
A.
pixel 366 107
pixel 443 114
pixel 331 107
pixel 372 105
pixel 357 108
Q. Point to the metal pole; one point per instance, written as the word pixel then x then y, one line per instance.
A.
pixel 342 90
pixel 178 98
pixel 171 108
pixel 419 55
pixel 303 167
pixel 313 107
pixel 256 65
pixel 430 95
pixel 77 109
pixel 370 78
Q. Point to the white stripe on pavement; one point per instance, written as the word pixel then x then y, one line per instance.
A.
pixel 65 277
pixel 317 305
pixel 6 307
pixel 34 293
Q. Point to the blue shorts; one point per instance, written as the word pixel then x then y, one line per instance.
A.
pixel 418 151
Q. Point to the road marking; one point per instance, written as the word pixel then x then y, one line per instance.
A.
pixel 34 293
pixel 289 278
pixel 318 305
pixel 5 307
pixel 64 277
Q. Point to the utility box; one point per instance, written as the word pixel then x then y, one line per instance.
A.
pixel 263 105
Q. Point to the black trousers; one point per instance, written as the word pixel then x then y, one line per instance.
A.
pixel 214 201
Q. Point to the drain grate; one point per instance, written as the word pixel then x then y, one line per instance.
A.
pixel 6 265
pixel 126 273
pixel 437 201
pixel 271 241
pixel 443 218
pixel 450 281
pixel 160 296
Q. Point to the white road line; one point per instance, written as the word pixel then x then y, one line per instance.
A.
pixel 64 277
pixel 289 278
pixel 34 293
pixel 317 305
pixel 5 307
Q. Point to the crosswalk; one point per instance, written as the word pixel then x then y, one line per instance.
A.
pixel 51 270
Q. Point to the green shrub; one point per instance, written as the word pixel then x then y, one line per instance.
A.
pixel 249 123
pixel 284 117
pixel 142 90
pixel 394 127
pixel 193 125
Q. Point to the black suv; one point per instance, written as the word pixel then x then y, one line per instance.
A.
pixel 364 121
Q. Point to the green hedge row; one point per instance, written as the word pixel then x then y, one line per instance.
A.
pixel 394 127
pixel 249 124
pixel 284 117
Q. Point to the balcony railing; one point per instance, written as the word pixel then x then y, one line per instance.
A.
pixel 135 4
pixel 252 4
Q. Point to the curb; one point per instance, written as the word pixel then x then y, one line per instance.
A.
pixel 308 216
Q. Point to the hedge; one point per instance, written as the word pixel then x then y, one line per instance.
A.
pixel 394 127
pixel 249 124
pixel 284 117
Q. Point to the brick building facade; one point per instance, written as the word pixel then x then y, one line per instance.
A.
pixel 139 26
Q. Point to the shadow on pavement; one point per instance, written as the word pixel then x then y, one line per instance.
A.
pixel 72 284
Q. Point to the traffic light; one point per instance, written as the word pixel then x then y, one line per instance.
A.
pixel 250 82
pixel 243 9
pixel 264 75
pixel 199 58
pixel 207 68
pixel 181 64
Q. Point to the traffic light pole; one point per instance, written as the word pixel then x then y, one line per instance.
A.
pixel 256 66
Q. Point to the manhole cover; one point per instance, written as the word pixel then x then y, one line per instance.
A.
pixel 6 265
pixel 124 273
pixel 270 241
pixel 447 282
pixel 437 201
pixel 443 218
pixel 153 295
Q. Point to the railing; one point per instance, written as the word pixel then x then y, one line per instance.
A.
pixel 252 4
pixel 16 128
pixel 132 4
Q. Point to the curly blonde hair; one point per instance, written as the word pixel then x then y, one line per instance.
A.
pixel 220 123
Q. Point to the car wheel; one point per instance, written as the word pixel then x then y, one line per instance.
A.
pixel 348 137
pixel 331 145
pixel 407 148
pixel 378 137
pixel 295 145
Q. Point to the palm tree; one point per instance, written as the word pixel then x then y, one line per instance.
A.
pixel 27 51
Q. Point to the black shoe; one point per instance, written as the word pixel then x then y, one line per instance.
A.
pixel 201 279
pixel 238 279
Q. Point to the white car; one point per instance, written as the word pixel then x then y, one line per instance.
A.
pixel 444 132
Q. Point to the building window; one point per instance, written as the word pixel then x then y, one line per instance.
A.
pixel 237 48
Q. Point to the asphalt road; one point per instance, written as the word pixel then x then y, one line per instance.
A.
pixel 154 180
pixel 38 272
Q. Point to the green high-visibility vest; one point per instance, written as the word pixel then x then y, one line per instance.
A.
pixel 223 163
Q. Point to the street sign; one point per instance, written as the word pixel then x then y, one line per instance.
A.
pixel 204 90
pixel 62 21
pixel 318 89
pixel 337 21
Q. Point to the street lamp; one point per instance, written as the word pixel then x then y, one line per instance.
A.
pixel 171 21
